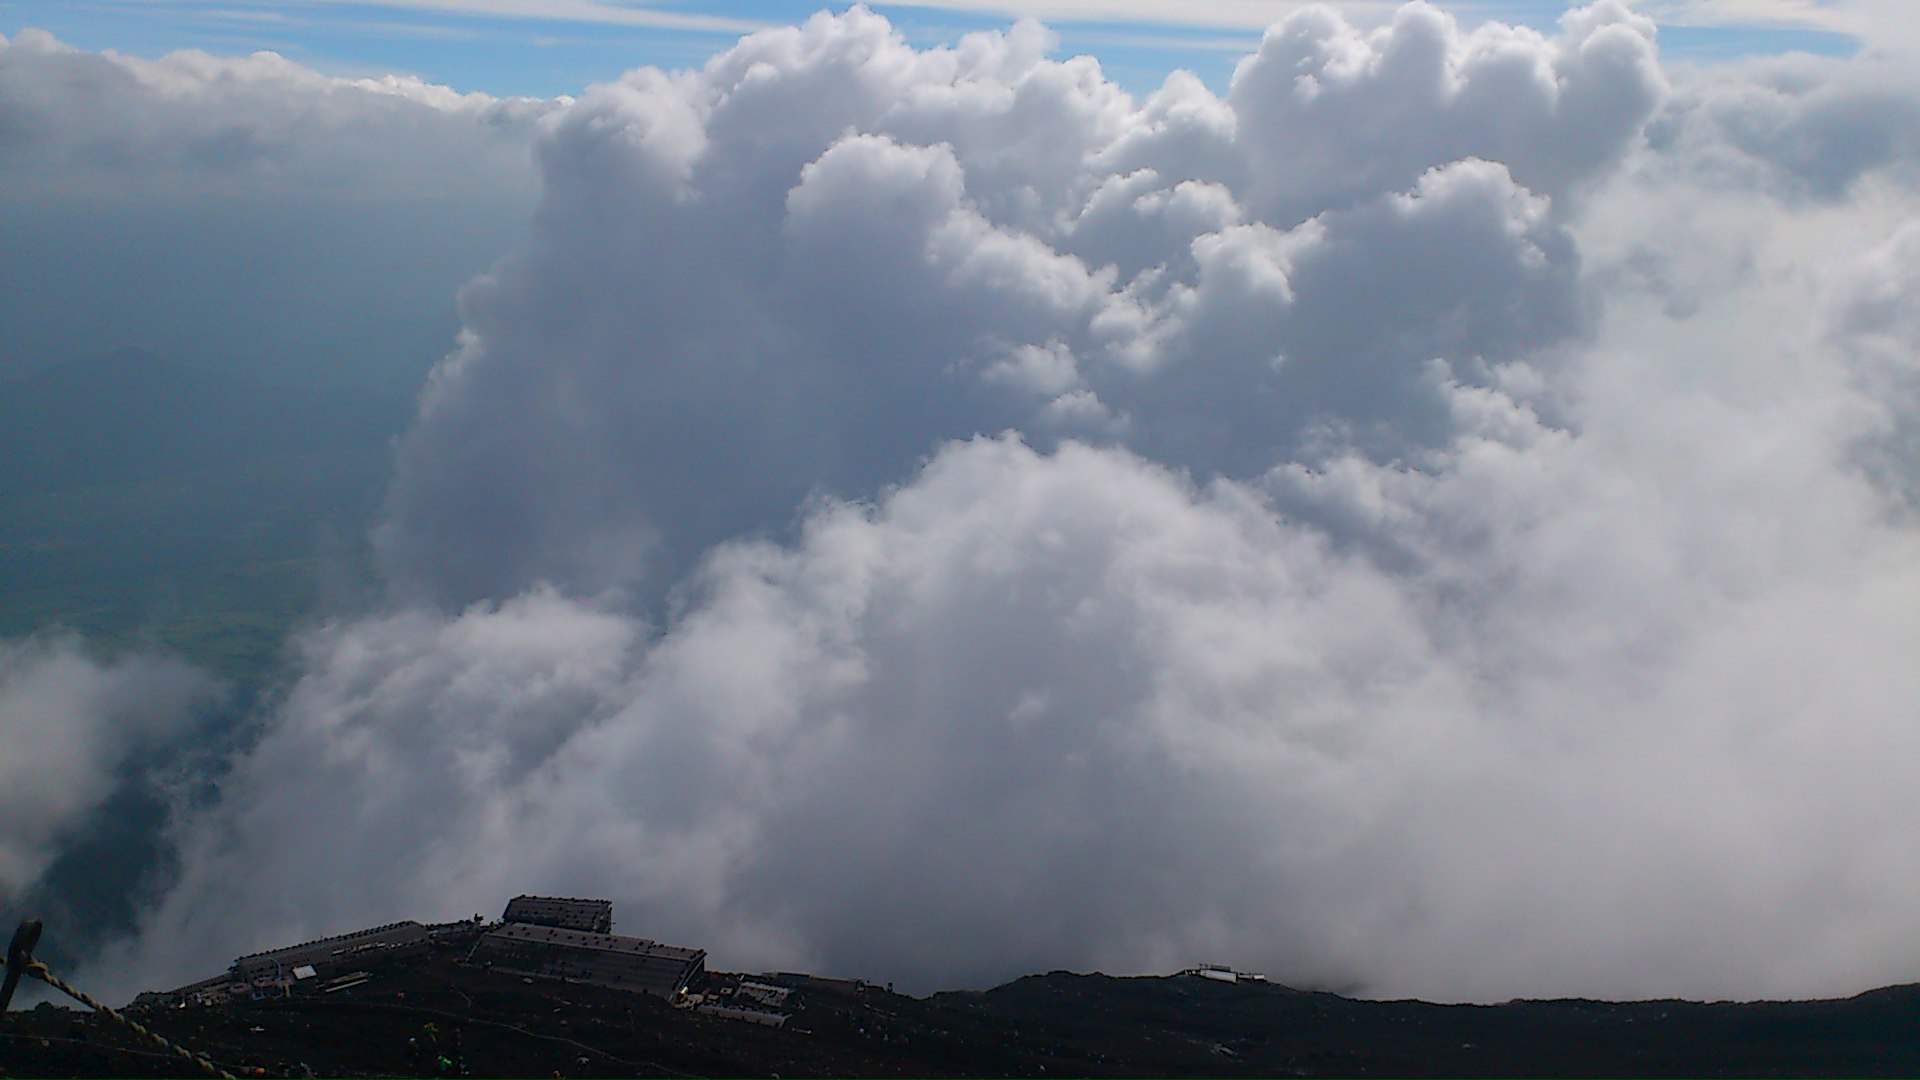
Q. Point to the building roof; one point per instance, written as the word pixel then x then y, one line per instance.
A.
pixel 605 959
pixel 331 949
pixel 579 939
pixel 566 912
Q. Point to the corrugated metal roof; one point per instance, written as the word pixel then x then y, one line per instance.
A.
pixel 333 950
pixel 580 939
pixel 627 963
pixel 562 911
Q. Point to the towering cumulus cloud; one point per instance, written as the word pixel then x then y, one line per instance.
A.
pixel 803 266
pixel 1437 519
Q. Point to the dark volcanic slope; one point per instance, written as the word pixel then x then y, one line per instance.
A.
pixel 1045 1025
pixel 1189 1026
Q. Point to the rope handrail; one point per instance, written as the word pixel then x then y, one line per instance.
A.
pixel 20 961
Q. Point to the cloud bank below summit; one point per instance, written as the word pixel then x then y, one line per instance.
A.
pixel 70 723
pixel 1436 519
pixel 246 212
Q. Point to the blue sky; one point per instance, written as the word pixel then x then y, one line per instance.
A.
pixel 544 47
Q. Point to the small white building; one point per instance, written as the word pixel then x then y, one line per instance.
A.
pixel 1225 974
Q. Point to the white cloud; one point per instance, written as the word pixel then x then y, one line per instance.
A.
pixel 1798 126
pixel 224 211
pixel 75 124
pixel 68 723
pixel 893 229
pixel 1036 710
pixel 925 514
pixel 1381 107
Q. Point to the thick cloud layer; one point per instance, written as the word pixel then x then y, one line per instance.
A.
pixel 1405 524
pixel 113 127
pixel 68 723
pixel 246 212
